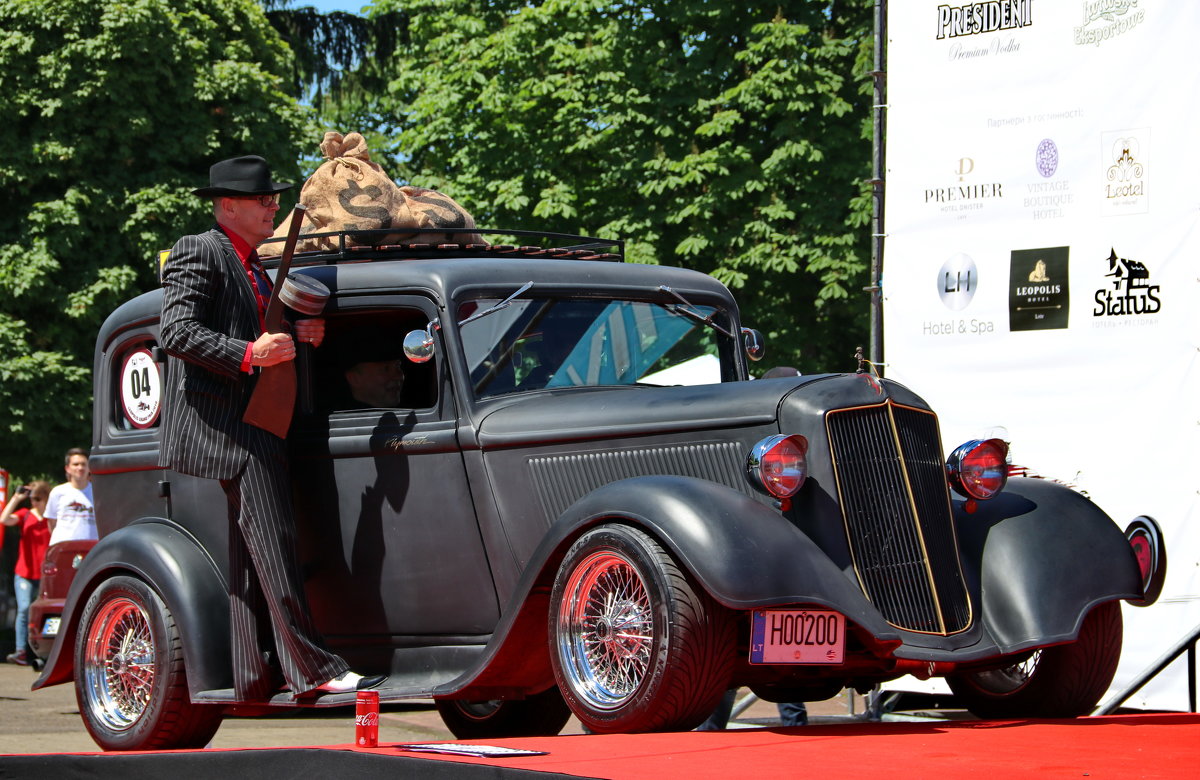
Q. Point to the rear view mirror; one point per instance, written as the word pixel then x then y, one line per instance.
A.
pixel 752 340
pixel 418 344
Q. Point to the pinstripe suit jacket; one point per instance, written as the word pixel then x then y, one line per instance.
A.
pixel 209 314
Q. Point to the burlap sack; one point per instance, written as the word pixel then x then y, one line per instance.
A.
pixel 431 209
pixel 349 193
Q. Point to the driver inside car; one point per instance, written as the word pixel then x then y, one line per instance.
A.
pixel 376 384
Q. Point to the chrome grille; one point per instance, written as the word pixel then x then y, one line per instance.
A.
pixel 892 487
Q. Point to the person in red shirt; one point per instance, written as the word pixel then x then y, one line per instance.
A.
pixel 35 538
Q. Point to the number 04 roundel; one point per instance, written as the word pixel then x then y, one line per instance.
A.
pixel 141 389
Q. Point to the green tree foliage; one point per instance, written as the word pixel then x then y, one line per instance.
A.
pixel 326 45
pixel 114 110
pixel 731 137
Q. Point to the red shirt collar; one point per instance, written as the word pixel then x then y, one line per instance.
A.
pixel 240 245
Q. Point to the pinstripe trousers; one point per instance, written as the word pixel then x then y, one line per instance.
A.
pixel 265 581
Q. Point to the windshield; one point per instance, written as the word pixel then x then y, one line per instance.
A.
pixel 540 343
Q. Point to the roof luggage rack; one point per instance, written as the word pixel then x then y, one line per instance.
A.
pixel 357 246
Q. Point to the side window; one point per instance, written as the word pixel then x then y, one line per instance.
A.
pixel 137 386
pixel 361 364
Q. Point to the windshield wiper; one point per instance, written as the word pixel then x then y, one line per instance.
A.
pixel 493 309
pixel 691 312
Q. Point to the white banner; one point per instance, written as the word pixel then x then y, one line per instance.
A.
pixel 1042 259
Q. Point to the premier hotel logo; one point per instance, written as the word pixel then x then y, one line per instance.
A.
pixel 954 21
pixel 967 194
pixel 1129 292
pixel 1039 294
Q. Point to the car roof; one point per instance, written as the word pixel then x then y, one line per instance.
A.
pixel 485 277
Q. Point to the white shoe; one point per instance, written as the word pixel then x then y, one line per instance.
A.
pixel 348 682
pixel 344 683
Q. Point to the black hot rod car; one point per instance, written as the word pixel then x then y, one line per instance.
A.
pixel 542 523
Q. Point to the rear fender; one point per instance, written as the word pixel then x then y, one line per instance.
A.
pixel 1042 555
pixel 169 559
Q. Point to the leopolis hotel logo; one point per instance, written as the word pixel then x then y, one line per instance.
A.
pixel 965 193
pixel 1039 296
pixel 1128 292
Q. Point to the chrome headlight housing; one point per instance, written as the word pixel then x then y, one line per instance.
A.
pixel 979 468
pixel 778 465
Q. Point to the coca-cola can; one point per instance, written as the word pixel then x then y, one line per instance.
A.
pixel 366 719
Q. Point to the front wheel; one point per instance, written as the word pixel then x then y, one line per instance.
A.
pixel 129 674
pixel 1063 681
pixel 541 715
pixel 636 645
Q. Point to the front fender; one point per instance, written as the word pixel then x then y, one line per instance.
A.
pixel 743 553
pixel 170 561
pixel 1043 555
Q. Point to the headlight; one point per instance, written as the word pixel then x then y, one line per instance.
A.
pixel 979 468
pixel 778 466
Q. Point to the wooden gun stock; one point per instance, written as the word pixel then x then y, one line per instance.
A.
pixel 273 401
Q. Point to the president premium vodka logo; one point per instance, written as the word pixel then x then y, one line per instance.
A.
pixel 978 18
pixel 1128 292
pixel 1104 20
pixel 1126 171
pixel 1039 296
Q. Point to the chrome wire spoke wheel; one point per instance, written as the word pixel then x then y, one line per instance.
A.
pixel 608 630
pixel 118 666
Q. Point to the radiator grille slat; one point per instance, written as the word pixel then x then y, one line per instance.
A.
pixel 893 493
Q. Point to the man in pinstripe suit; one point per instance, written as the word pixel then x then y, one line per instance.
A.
pixel 214 300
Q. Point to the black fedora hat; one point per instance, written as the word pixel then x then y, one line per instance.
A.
pixel 248 175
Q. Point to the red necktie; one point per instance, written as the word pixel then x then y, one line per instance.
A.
pixel 261 285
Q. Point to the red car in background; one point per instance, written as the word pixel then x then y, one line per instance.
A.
pixel 58 572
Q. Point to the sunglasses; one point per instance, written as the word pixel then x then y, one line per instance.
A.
pixel 266 201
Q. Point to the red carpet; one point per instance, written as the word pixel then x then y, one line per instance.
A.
pixel 1116 747
pixel 1123 746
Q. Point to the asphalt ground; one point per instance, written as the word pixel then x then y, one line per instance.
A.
pixel 48 721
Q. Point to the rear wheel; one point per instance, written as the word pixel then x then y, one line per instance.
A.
pixel 1063 681
pixel 541 715
pixel 637 646
pixel 130 680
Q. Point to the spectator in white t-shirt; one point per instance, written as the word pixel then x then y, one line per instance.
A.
pixel 69 509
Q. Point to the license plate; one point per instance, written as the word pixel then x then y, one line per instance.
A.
pixel 50 627
pixel 797 636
